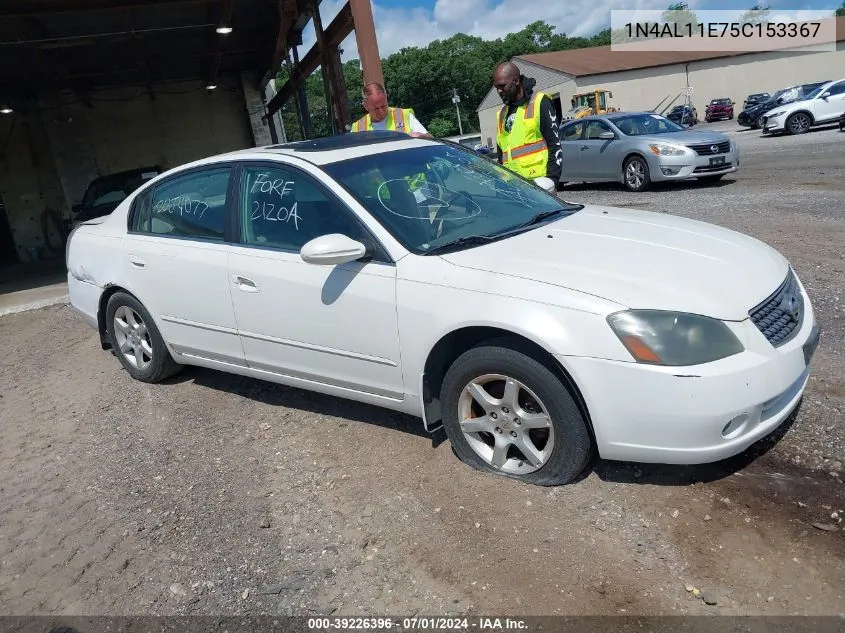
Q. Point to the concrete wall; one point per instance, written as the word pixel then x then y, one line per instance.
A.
pixel 29 183
pixel 69 143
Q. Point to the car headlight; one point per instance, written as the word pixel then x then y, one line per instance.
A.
pixel 658 337
pixel 774 115
pixel 664 149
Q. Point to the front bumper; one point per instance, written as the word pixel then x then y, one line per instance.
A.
pixel 775 125
pixel 700 414
pixel 665 168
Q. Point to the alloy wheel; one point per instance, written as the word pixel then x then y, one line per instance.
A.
pixel 799 123
pixel 635 174
pixel 506 424
pixel 133 338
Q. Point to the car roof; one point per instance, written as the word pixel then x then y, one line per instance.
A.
pixel 323 151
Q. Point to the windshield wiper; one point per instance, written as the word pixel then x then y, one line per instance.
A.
pixel 469 240
pixel 545 215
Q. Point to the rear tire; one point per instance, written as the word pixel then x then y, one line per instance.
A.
pixel 509 414
pixel 136 341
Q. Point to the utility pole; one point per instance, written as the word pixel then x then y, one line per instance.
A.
pixel 457 100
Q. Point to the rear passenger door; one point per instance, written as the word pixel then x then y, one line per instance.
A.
pixel 177 253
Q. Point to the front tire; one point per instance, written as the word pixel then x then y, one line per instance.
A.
pixel 506 413
pixel 798 123
pixel 136 341
pixel 635 174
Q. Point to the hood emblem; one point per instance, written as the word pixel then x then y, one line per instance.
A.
pixel 714 148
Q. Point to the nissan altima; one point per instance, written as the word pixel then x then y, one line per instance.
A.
pixel 418 276
pixel 638 148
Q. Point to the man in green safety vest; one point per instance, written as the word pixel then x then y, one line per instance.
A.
pixel 527 135
pixel 382 117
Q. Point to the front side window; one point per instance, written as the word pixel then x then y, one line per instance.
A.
pixel 431 196
pixel 595 128
pixel 282 208
pixel 572 132
pixel 192 206
pixel 645 124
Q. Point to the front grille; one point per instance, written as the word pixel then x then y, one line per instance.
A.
pixel 780 316
pixel 706 149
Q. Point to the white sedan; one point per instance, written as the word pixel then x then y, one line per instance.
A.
pixel 418 276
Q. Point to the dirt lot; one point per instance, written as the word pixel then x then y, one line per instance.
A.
pixel 214 494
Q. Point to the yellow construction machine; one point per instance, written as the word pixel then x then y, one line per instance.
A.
pixel 587 103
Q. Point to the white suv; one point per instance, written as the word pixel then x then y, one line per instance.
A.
pixel 824 105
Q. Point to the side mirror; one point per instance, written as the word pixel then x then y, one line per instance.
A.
pixel 824 95
pixel 607 136
pixel 332 249
pixel 546 184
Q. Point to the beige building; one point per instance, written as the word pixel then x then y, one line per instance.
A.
pixel 653 80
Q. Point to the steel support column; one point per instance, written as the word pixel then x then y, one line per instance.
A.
pixel 365 35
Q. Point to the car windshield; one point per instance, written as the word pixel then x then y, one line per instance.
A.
pixel 113 189
pixel 720 102
pixel 645 124
pixel 815 93
pixel 432 196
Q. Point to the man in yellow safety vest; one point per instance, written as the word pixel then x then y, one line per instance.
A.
pixel 527 135
pixel 382 117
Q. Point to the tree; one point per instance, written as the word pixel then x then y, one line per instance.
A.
pixel 840 12
pixel 757 14
pixel 679 13
pixel 424 78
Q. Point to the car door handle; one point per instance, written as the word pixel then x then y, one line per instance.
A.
pixel 583 147
pixel 137 262
pixel 247 285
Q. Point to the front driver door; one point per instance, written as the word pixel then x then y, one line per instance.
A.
pixel 597 158
pixel 833 106
pixel 570 144
pixel 334 325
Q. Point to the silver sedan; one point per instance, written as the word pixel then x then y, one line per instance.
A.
pixel 638 148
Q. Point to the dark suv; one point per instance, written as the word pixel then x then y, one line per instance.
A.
pixel 751 117
pixel 719 109
pixel 752 100
pixel 106 192
pixel 683 115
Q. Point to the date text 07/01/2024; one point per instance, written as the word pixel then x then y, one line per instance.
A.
pixel 722 29
pixel 417 623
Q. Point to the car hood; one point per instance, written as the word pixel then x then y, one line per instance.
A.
pixel 687 137
pixel 641 260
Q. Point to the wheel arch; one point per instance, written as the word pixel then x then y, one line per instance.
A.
pixel 107 294
pixel 453 344
pixel 802 111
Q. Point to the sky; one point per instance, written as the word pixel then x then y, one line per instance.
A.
pixel 401 23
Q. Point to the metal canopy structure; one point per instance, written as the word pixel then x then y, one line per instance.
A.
pixel 49 46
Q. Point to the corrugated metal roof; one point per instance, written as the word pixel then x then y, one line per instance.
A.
pixel 543 75
pixel 597 60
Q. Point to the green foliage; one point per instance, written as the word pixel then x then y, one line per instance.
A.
pixel 679 13
pixel 757 14
pixel 840 12
pixel 422 78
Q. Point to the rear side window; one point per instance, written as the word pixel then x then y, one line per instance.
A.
pixel 189 206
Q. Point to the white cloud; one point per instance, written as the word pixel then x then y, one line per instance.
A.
pixel 400 27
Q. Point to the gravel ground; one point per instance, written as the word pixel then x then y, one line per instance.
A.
pixel 215 494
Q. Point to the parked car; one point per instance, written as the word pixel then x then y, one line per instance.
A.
pixel 104 193
pixel 754 99
pixel 638 148
pixel 683 115
pixel 824 105
pixel 753 116
pixel 420 277
pixel 719 109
